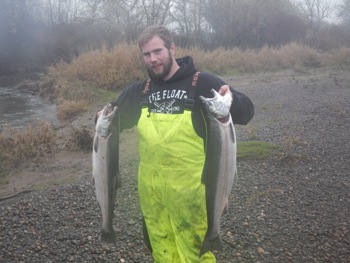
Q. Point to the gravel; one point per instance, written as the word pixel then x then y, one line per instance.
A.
pixel 291 207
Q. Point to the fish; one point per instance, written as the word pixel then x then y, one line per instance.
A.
pixel 105 168
pixel 220 166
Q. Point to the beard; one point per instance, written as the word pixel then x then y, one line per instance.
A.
pixel 166 69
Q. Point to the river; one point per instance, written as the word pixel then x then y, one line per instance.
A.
pixel 18 108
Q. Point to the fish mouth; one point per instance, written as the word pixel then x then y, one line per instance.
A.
pixel 109 111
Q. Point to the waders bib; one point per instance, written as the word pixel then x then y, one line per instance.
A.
pixel 171 194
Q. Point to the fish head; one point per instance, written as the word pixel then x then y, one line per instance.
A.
pixel 218 106
pixel 106 122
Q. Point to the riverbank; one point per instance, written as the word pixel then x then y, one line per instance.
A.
pixel 292 207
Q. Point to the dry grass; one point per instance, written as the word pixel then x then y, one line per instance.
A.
pixel 67 109
pixel 338 57
pixel 35 142
pixel 252 133
pixel 107 69
pixel 114 69
pixel 223 61
pixel 292 145
pixel 78 139
pixel 32 143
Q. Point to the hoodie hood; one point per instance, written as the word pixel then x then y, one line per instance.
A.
pixel 186 69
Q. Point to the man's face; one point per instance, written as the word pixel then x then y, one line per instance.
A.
pixel 157 58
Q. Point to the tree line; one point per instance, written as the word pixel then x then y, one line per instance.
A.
pixel 37 33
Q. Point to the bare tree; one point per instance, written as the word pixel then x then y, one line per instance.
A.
pixel 191 25
pixel 315 12
pixel 156 11
pixel 344 15
pixel 344 11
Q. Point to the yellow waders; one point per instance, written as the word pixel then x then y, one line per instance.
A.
pixel 171 194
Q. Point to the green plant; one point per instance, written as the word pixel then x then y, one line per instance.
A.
pixel 255 150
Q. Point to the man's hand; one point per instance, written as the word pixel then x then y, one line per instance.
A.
pixel 99 113
pixel 225 89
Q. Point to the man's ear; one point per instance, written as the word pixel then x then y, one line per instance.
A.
pixel 172 49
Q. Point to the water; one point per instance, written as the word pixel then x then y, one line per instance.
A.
pixel 19 108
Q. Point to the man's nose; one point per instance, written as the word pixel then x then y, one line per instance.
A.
pixel 153 57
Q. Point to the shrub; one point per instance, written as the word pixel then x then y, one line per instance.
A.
pixel 339 57
pixel 79 139
pixel 33 142
pixel 75 85
pixel 67 109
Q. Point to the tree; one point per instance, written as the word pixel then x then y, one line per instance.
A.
pixel 253 23
pixel 315 12
pixel 156 11
pixel 344 15
pixel 191 25
pixel 344 11
pixel 18 32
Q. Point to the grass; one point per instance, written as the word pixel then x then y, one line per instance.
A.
pixel 35 142
pixel 79 139
pixel 76 85
pixel 290 153
pixel 95 77
pixel 16 145
pixel 256 150
pixel 286 151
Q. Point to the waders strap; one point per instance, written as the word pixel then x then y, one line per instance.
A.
pixel 192 92
pixel 145 93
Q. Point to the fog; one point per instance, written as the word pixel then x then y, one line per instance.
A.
pixel 36 33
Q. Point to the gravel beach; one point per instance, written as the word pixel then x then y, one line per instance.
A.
pixel 293 206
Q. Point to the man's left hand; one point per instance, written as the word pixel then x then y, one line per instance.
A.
pixel 225 89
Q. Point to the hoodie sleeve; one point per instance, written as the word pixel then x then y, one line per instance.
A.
pixel 129 104
pixel 242 108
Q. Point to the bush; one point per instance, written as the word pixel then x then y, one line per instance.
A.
pixel 79 139
pixel 77 84
pixel 67 109
pixel 34 142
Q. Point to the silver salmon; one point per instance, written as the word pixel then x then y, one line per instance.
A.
pixel 220 168
pixel 105 168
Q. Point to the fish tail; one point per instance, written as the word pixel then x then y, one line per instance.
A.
pixel 211 245
pixel 108 236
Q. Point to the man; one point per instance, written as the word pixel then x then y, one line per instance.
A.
pixel 166 111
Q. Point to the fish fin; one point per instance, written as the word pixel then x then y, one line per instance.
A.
pixel 108 237
pixel 224 207
pixel 118 181
pixel 235 178
pixel 211 245
pixel 96 144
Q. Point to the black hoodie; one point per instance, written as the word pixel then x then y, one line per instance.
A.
pixel 169 97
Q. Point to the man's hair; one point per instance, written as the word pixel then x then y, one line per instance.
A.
pixel 156 30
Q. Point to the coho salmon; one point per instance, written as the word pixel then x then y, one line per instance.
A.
pixel 220 168
pixel 105 168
